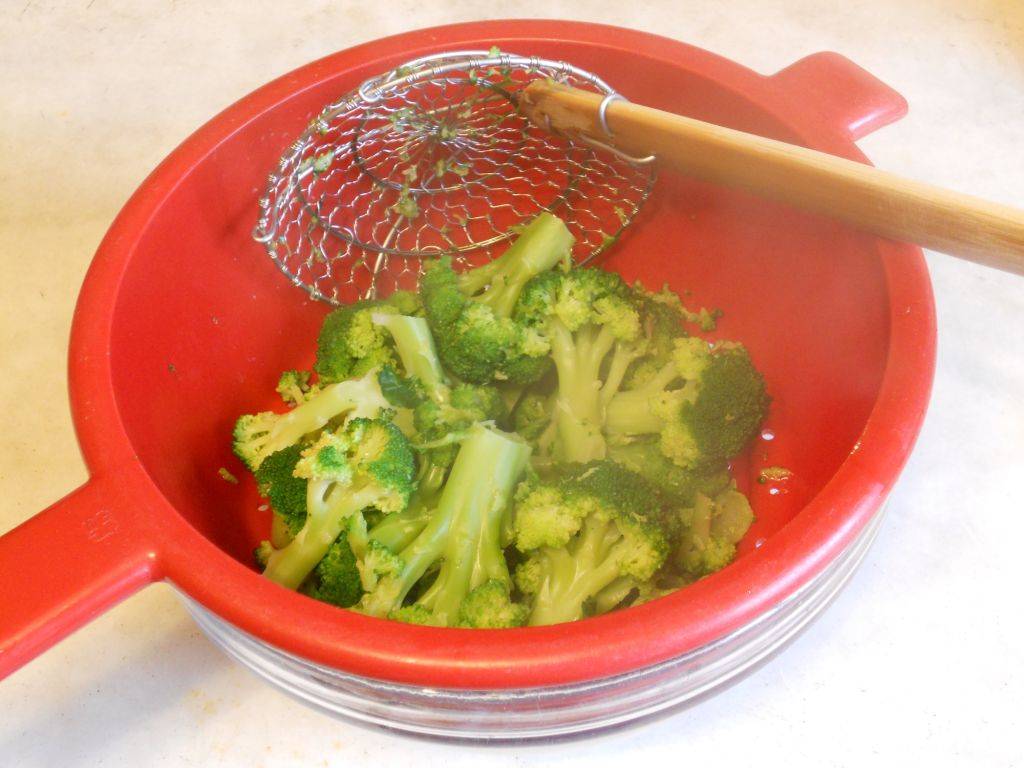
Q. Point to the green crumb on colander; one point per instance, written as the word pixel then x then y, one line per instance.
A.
pixel 322 162
pixel 774 474
pixel 226 475
pixel 406 206
pixel 708 320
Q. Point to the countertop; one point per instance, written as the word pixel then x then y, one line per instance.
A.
pixel 922 656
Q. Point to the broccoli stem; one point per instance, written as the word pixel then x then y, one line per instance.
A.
pixel 329 508
pixel 623 357
pixel 464 530
pixel 415 345
pixel 612 596
pixel 399 529
pixel 280 535
pixel 578 410
pixel 631 412
pixel 431 477
pixel 540 246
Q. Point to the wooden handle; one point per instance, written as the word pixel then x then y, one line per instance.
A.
pixel 865 197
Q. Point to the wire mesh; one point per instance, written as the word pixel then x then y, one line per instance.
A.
pixel 434 159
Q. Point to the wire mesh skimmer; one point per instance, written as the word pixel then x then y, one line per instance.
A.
pixel 434 158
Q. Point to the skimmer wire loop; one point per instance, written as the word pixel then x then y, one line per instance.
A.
pixel 433 159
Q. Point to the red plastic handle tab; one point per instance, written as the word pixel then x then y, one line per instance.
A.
pixel 63 567
pixel 848 97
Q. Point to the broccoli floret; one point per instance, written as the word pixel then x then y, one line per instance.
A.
pixel 471 314
pixel 532 416
pixel 336 578
pixel 490 607
pixel 661 323
pixel 257 436
pixel 596 523
pixel 350 343
pixel 405 302
pixel 590 318
pixel 367 463
pixel 440 426
pixel 443 414
pixel 712 528
pixel 376 562
pixel 358 337
pixel 413 614
pixel 677 485
pixel 705 319
pixel 286 493
pixel 441 418
pixel 717 407
pixel 294 387
pixel 463 534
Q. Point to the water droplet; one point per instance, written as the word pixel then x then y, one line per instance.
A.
pixel 767 434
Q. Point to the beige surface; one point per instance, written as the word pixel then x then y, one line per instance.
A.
pixel 920 652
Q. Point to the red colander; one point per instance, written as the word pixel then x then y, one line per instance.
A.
pixel 183 323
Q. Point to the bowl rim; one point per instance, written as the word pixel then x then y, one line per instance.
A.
pixel 526 657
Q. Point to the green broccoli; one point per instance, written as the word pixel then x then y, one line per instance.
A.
pixel 532 419
pixel 661 322
pixel 398 529
pixel 590 318
pixel 471 314
pixel 294 387
pixel 415 347
pixel 257 436
pixel 358 337
pixel 489 606
pixel 336 578
pixel 712 528
pixel 441 426
pixel 350 344
pixel 413 614
pixel 677 485
pixel 626 591
pixel 395 493
pixel 286 493
pixel 367 463
pixel 406 302
pixel 594 524
pixel 716 409
pixel 463 536
pixel 441 418
pixel 443 414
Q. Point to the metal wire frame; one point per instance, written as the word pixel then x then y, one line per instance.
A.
pixel 432 159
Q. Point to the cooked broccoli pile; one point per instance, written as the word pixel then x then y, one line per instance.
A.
pixel 519 443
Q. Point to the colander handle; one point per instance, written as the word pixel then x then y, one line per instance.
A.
pixel 65 566
pixel 847 97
